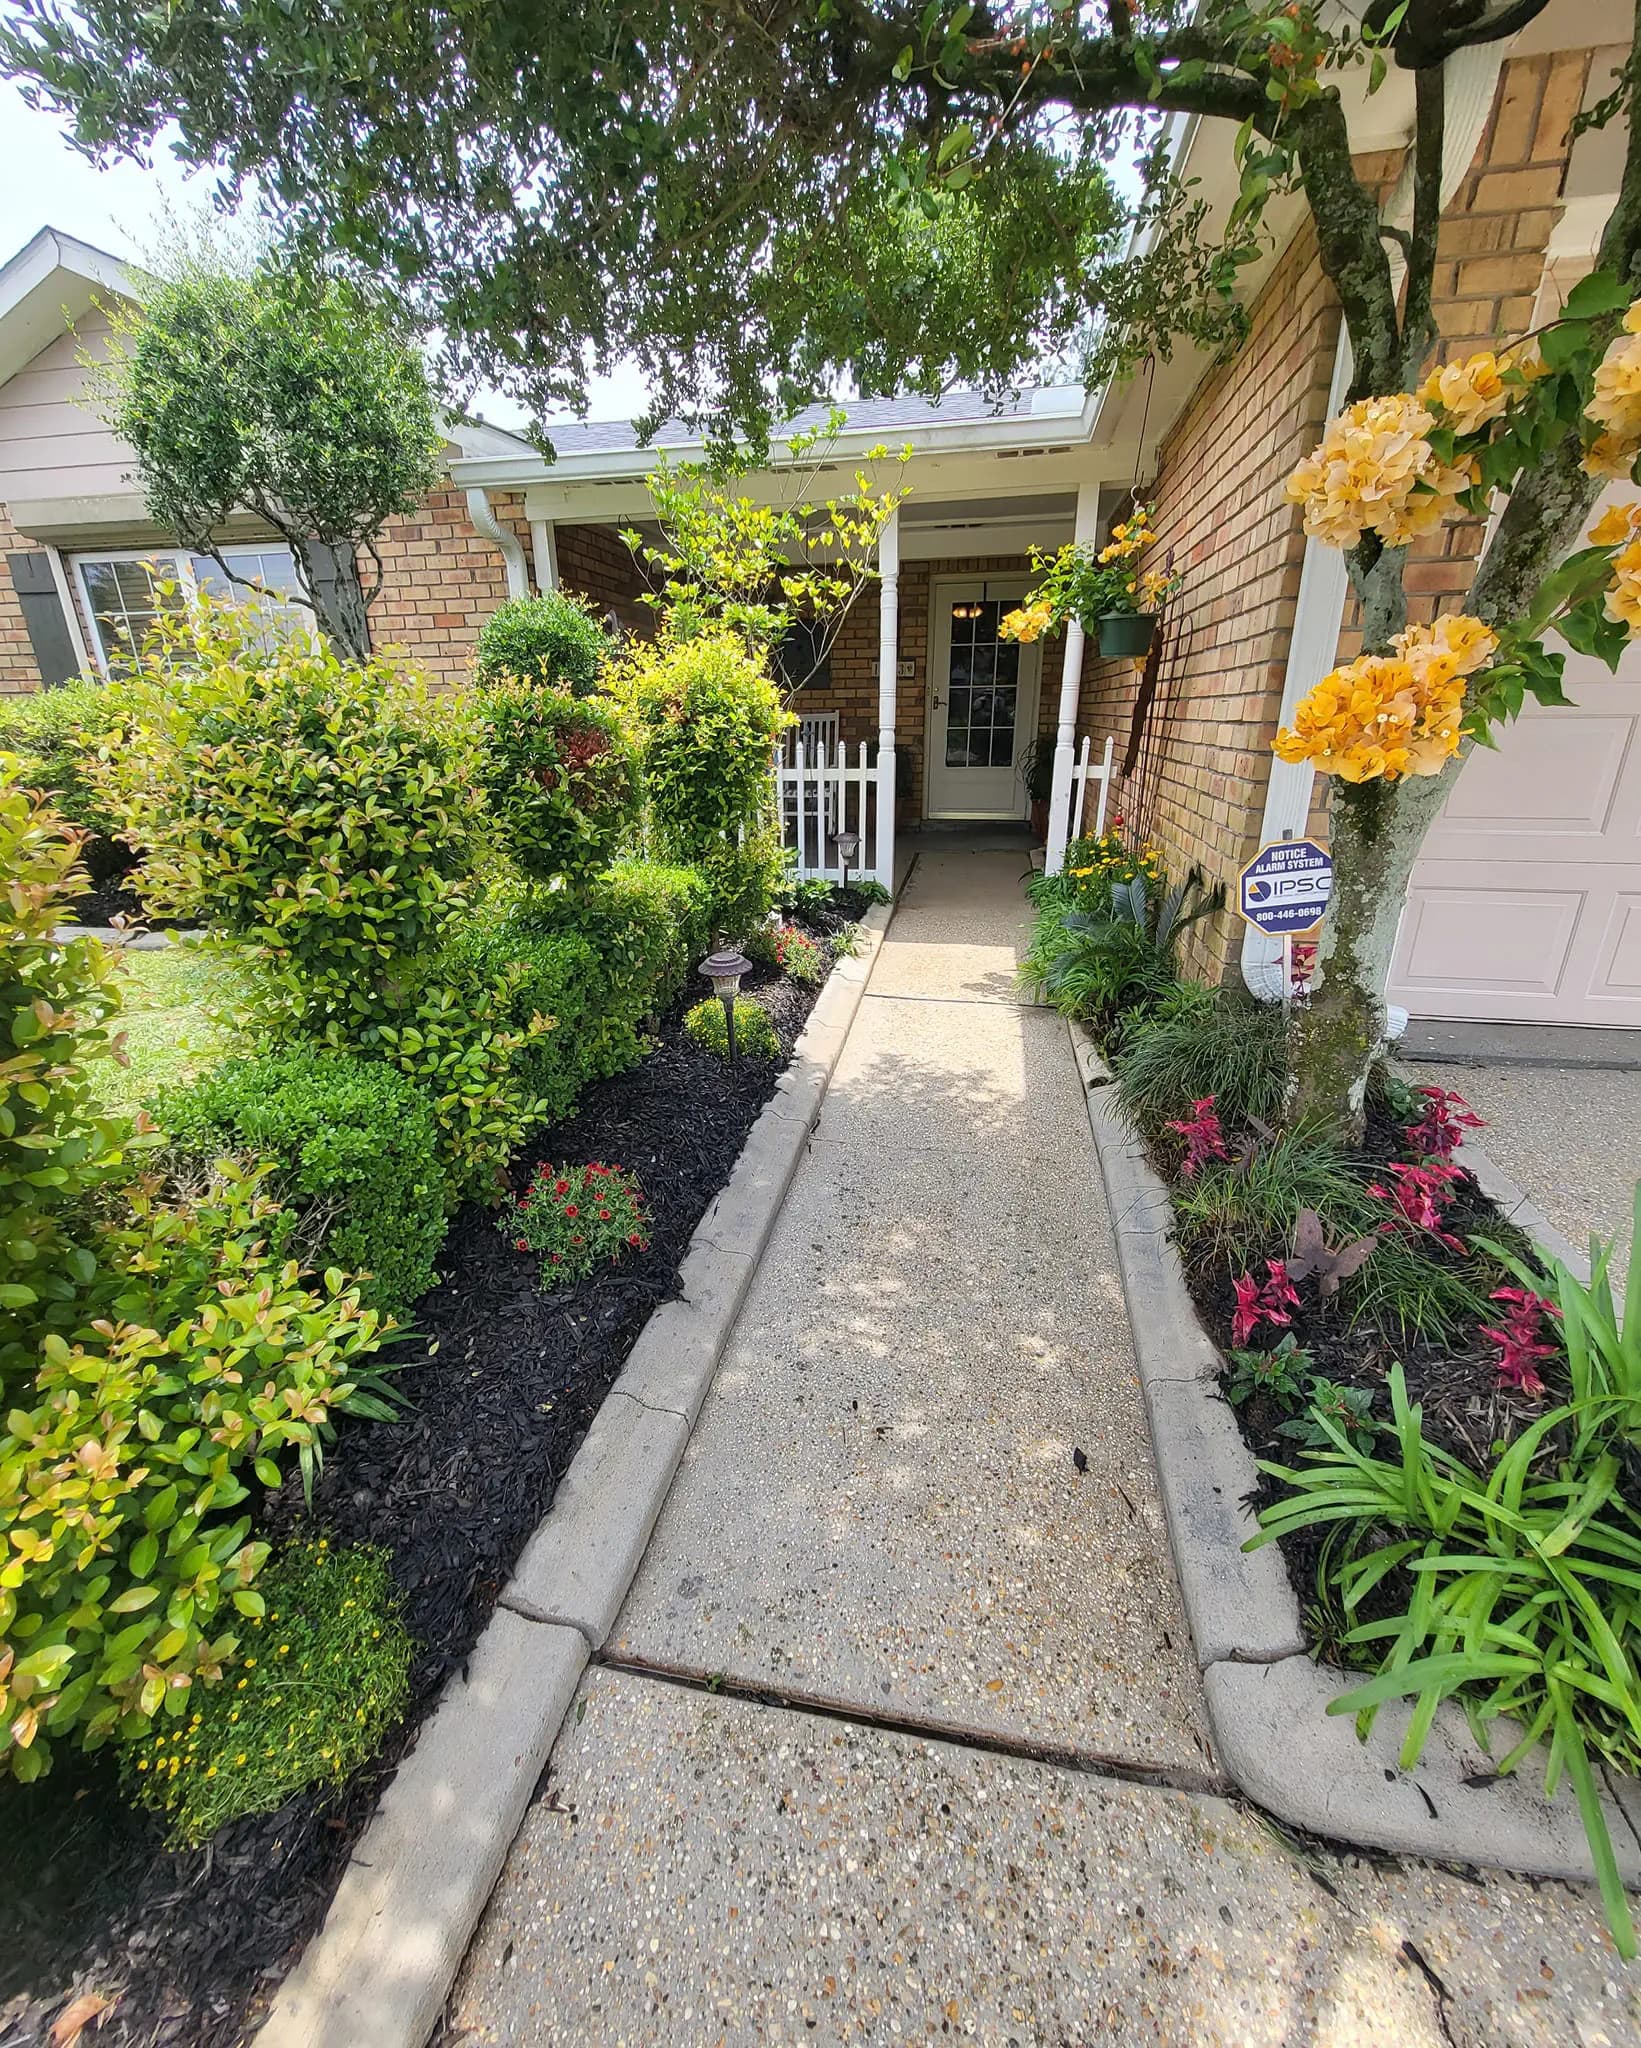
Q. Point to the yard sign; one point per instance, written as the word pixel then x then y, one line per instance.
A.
pixel 1284 889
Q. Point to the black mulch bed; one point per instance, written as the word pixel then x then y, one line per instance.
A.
pixel 502 1382
pixel 1465 1408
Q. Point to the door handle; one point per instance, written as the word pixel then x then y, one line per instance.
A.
pixel 939 703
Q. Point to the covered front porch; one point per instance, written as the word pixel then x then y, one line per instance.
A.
pixel 913 711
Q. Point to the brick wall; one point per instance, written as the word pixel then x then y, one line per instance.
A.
pixel 1221 509
pixel 596 562
pixel 441 581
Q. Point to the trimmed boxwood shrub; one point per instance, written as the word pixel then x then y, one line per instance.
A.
pixel 651 926
pixel 754 1034
pixel 562 780
pixel 554 641
pixel 354 1147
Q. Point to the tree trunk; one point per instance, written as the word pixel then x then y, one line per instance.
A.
pixel 330 577
pixel 1377 830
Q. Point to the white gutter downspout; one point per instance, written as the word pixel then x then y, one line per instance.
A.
pixel 1324 582
pixel 485 522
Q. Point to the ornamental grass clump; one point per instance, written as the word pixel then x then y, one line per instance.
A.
pixel 754 1034
pixel 320 1679
pixel 576 1219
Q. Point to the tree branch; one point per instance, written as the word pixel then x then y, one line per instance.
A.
pixel 1346 218
pixel 1419 331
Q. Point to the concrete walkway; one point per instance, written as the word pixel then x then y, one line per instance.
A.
pixel 900 1735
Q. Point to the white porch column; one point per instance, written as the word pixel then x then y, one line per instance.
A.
pixel 1071 683
pixel 544 554
pixel 888 667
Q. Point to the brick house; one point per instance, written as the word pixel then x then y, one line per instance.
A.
pixel 1527 905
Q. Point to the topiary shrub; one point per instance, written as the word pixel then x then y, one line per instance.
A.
pixel 754 1034
pixel 324 1681
pixel 201 1357
pixel 354 1150
pixel 651 926
pixel 56 1146
pixel 562 779
pixel 708 716
pixel 554 641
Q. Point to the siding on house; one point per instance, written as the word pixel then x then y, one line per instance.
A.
pixel 52 445
pixel 1220 504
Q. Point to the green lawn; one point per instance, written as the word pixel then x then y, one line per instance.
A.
pixel 170 999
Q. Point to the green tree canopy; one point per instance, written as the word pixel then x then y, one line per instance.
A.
pixel 283 392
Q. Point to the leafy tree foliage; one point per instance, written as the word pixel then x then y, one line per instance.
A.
pixel 286 392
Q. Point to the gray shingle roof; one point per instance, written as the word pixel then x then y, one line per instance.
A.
pixel 887 415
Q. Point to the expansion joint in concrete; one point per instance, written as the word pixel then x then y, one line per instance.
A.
pixel 713 1685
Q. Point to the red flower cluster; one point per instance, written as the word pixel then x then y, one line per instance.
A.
pixel 1263 1301
pixel 1521 1340
pixel 576 1218
pixel 1423 1195
pixel 1204 1140
pixel 1440 1131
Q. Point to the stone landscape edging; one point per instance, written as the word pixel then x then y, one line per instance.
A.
pixel 1267 1698
pixel 379 1970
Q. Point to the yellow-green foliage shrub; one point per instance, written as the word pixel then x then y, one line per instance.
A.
pixel 56 1000
pixel 125 1450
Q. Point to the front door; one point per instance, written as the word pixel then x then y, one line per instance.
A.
pixel 982 701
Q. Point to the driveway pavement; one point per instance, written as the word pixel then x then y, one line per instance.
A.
pixel 900 1734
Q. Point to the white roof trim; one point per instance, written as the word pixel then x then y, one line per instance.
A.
pixel 49 283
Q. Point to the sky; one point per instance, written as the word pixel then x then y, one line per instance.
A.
pixel 45 182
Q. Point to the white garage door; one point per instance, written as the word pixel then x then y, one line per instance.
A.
pixel 1526 903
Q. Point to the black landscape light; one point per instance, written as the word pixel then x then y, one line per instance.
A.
pixel 724 971
pixel 848 844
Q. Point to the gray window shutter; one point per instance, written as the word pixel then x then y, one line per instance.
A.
pixel 48 633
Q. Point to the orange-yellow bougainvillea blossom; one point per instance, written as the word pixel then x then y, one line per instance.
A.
pixel 1470 393
pixel 1620 527
pixel 1615 403
pixel 1389 715
pixel 1375 470
pixel 1030 622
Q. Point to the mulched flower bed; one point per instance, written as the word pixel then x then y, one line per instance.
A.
pixel 1467 1409
pixel 502 1382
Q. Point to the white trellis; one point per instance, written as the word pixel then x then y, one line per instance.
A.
pixel 821 792
pixel 1083 772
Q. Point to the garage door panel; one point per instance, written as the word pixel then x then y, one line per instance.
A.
pixel 1526 902
pixel 1562 783
pixel 1483 938
pixel 1617 975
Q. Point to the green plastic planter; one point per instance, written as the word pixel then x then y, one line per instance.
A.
pixel 1127 632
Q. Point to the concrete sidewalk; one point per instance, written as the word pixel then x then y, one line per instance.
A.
pixel 900 1733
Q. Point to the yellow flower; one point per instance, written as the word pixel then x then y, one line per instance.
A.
pixel 1465 644
pixel 1376 470
pixel 1611 455
pixel 1616 401
pixel 1624 599
pixel 1618 524
pixel 1028 623
pixel 1527 360
pixel 1470 393
pixel 1632 319
pixel 1384 716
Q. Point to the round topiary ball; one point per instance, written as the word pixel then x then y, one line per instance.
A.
pixel 554 641
pixel 562 779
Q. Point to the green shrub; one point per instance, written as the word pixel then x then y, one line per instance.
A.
pixel 707 716
pixel 754 1034
pixel 56 1146
pixel 554 641
pixel 1236 1052
pixel 800 955
pixel 54 732
pixel 578 1218
pixel 562 780
pixel 324 1680
pixel 651 926
pixel 323 814
pixel 121 1453
pixel 353 1145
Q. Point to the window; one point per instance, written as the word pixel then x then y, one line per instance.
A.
pixel 803 659
pixel 124 593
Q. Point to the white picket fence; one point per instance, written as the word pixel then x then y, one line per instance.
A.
pixel 1083 772
pixel 821 792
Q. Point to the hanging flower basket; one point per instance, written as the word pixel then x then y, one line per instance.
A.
pixel 1127 632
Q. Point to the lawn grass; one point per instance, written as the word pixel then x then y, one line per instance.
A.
pixel 168 1017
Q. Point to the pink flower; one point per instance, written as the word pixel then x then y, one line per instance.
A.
pixel 1440 1131
pixel 1520 1341
pixel 519 1245
pixel 1204 1140
pixel 1422 1195
pixel 1266 1301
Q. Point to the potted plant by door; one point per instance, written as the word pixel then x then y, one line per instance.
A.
pixel 1104 588
pixel 1037 773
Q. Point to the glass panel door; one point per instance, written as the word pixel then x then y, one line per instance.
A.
pixel 982 702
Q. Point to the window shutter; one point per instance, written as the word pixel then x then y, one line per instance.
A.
pixel 48 633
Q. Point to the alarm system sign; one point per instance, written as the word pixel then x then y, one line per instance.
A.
pixel 1284 889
